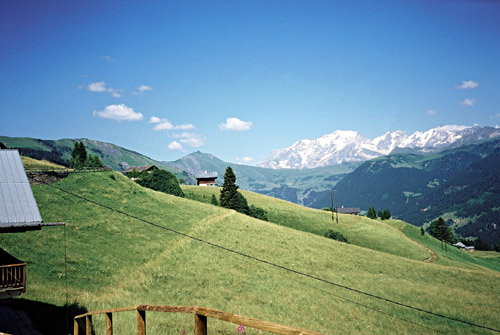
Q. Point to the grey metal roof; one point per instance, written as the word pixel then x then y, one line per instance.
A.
pixel 18 207
pixel 206 175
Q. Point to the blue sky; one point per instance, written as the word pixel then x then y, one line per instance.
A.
pixel 238 79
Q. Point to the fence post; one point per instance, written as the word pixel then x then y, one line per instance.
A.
pixel 76 329
pixel 88 325
pixel 109 323
pixel 141 322
pixel 200 324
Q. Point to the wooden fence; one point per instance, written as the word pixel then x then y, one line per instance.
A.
pixel 84 321
pixel 13 276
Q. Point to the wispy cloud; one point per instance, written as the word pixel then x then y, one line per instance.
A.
pixel 141 89
pixel 119 113
pixel 191 139
pixel 173 146
pixel 233 123
pixel 468 85
pixel 468 102
pixel 431 112
pixel 100 87
pixel 164 124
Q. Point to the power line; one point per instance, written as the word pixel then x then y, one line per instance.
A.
pixel 274 264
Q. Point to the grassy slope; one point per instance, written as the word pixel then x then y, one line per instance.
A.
pixel 35 164
pixel 115 261
pixel 392 236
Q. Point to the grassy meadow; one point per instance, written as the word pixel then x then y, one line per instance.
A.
pixel 115 261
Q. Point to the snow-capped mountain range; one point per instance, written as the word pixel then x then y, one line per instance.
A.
pixel 343 146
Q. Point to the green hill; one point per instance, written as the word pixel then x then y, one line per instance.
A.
pixel 59 151
pixel 298 186
pixel 115 260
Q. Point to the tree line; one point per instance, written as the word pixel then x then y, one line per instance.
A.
pixel 383 215
pixel 80 159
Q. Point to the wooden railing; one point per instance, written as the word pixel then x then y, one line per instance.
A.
pixel 84 321
pixel 13 276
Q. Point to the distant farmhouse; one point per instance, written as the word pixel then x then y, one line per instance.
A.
pixel 206 179
pixel 138 170
pixel 18 213
pixel 149 168
pixel 349 210
pixel 464 247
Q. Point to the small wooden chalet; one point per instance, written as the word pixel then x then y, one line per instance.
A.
pixel 349 210
pixel 139 169
pixel 206 179
pixel 18 213
pixel 149 168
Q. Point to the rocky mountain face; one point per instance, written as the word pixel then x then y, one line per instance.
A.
pixel 349 146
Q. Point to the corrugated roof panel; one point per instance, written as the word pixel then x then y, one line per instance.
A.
pixel 17 204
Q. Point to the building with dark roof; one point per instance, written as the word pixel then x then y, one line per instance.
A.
pixel 349 210
pixel 206 178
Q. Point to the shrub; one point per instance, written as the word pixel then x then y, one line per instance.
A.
pixel 334 235
pixel 161 180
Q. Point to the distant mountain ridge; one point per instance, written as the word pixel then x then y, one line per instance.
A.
pixel 59 151
pixel 343 146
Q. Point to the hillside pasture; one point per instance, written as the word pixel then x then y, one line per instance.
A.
pixel 116 260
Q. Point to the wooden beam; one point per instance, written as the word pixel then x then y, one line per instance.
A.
pixel 76 328
pixel 88 325
pixel 141 322
pixel 200 324
pixel 109 323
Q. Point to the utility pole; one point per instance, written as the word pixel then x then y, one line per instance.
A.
pixel 331 200
pixel 336 207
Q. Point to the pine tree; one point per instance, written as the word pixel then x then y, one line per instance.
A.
pixel 441 231
pixel 78 155
pixel 214 200
pixel 371 213
pixel 229 190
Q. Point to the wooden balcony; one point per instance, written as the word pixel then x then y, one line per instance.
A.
pixel 12 275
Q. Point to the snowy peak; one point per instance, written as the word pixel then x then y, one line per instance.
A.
pixel 349 146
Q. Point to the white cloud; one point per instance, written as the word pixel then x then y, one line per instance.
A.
pixel 244 159
pixel 468 102
pixel 144 88
pixel 100 87
pixel 164 124
pixel 175 146
pixel 234 123
pixel 141 89
pixel 431 112
pixel 191 139
pixel 194 142
pixel 468 85
pixel 119 113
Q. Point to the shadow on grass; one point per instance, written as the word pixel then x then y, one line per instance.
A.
pixel 47 318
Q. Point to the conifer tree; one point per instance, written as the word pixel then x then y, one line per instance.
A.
pixel 78 155
pixel 371 213
pixel 214 200
pixel 229 193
